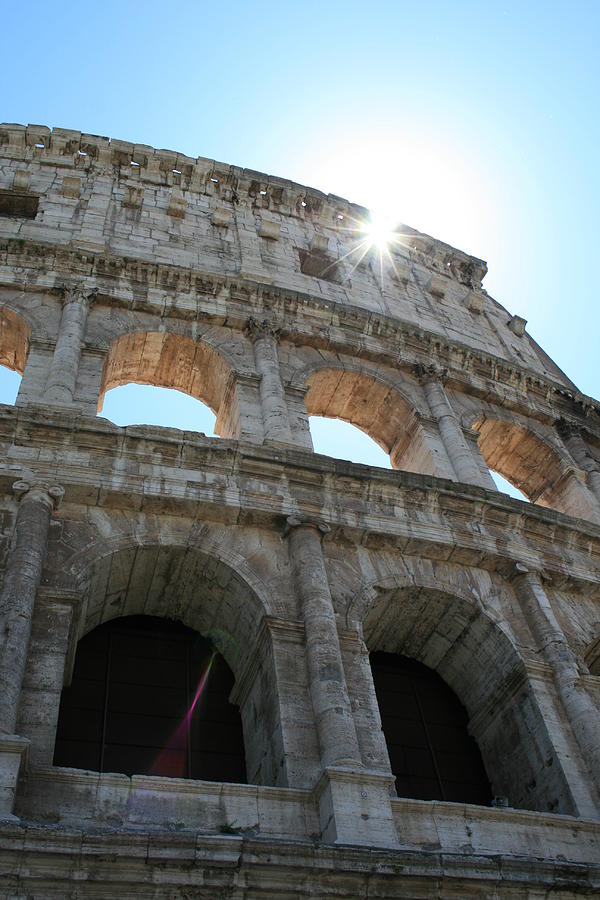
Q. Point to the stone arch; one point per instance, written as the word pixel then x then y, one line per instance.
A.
pixel 202 591
pixel 15 336
pixel 518 454
pixel 376 406
pixel 150 696
pixel 451 633
pixel 536 465
pixel 122 577
pixel 167 359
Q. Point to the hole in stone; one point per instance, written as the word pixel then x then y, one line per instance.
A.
pixel 18 205
pixel 135 164
pixel 263 193
pixel 334 437
pixel 303 203
pixel 81 153
pixel 340 217
pixel 215 180
pixel 176 171
pixel 10 382
pixel 145 404
pixel 505 487
pixel 40 146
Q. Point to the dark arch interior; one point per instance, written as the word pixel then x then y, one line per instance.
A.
pixel 433 757
pixel 150 697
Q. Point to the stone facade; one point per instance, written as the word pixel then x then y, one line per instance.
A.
pixel 120 263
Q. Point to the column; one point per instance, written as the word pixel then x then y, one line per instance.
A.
pixel 579 707
pixel 354 802
pixel 327 682
pixel 21 580
pixel 575 444
pixel 67 353
pixel 295 396
pixel 44 675
pixel 272 395
pixel 454 441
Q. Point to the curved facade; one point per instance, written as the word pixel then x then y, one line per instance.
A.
pixel 120 263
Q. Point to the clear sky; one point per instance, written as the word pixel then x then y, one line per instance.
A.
pixel 478 123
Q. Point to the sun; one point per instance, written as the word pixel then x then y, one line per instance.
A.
pixel 379 232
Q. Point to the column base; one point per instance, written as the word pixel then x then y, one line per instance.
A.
pixel 281 445
pixel 14 752
pixel 355 808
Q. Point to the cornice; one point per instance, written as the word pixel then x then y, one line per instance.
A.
pixel 195 295
pixel 363 506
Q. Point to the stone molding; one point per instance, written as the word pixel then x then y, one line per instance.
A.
pixel 545 533
pixel 462 373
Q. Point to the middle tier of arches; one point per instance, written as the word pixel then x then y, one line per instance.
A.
pixel 264 388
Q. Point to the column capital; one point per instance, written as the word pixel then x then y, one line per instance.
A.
pixel 71 293
pixel 431 372
pixel 293 522
pixel 259 328
pixel 47 491
pixel 520 570
pixel 532 575
pixel 566 429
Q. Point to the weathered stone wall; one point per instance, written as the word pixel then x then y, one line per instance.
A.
pixel 142 265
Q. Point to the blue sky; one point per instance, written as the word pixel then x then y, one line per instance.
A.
pixel 478 123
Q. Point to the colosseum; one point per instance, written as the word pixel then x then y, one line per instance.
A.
pixel 232 667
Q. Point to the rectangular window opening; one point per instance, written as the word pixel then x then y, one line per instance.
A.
pixel 321 265
pixel 18 205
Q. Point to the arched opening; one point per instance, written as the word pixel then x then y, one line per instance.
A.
pixel 534 467
pixel 506 487
pixel 150 697
pixel 519 456
pixel 376 409
pixel 334 437
pixel 15 335
pixel 10 382
pixel 150 371
pixel 144 404
pixel 432 755
pixel 218 599
pixel 477 661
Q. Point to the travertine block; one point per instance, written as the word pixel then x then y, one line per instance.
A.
pixel 21 180
pixel 438 285
pixel 177 206
pixel 134 196
pixel 221 217
pixel 319 243
pixel 474 302
pixel 269 229
pixel 517 325
pixel 71 186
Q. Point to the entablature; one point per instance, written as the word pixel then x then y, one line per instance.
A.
pixel 175 293
pixel 166 472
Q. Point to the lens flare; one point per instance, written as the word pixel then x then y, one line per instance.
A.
pixel 379 232
pixel 171 760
